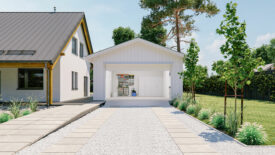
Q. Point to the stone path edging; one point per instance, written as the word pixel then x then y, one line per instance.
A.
pixel 187 141
pixel 76 139
pixel 215 129
pixel 24 131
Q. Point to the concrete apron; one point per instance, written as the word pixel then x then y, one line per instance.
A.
pixel 124 102
pixel 24 131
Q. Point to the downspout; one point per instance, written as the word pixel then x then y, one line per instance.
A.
pixel 47 96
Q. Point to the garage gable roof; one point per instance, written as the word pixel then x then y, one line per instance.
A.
pixel 130 42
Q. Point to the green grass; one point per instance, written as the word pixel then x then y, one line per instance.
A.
pixel 262 112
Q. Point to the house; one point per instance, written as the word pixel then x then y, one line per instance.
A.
pixel 42 56
pixel 136 69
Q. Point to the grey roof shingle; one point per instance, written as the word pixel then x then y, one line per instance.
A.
pixel 44 32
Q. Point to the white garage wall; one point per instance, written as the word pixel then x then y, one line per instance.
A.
pixel 136 53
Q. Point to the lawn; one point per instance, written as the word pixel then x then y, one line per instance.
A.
pixel 262 112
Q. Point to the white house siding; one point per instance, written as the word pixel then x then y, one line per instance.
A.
pixel 137 53
pixel 9 87
pixel 71 62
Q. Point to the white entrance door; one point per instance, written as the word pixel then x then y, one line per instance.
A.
pixel 151 86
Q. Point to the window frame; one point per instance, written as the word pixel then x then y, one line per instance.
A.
pixel 74 80
pixel 29 88
pixel 76 46
pixel 81 50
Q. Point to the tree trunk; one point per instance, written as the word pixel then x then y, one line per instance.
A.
pixel 177 31
pixel 235 112
pixel 193 91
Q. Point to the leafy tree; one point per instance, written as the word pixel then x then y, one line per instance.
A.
pixel 178 14
pixel 240 64
pixel 262 52
pixel 266 52
pixel 154 34
pixel 271 50
pixel 194 75
pixel 122 34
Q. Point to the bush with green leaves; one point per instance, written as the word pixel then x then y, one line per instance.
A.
pixel 33 104
pixel 15 107
pixel 183 105
pixel 232 123
pixel 26 112
pixel 191 109
pixel 171 102
pixel 176 103
pixel 217 120
pixel 204 114
pixel 4 117
pixel 252 134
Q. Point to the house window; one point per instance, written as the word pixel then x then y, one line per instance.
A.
pixel 74 81
pixel 74 46
pixel 81 50
pixel 30 78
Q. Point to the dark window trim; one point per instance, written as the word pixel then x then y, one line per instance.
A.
pixel 81 54
pixel 74 80
pixel 76 46
pixel 31 88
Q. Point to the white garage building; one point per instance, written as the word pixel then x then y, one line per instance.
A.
pixel 136 69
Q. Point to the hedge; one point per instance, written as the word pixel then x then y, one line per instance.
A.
pixel 262 87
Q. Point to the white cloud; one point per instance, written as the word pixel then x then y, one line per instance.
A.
pixel 264 39
pixel 214 47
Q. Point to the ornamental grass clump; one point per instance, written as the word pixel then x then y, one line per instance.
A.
pixel 232 123
pixel 4 117
pixel 15 108
pixel 33 104
pixel 217 120
pixel 191 109
pixel 204 114
pixel 252 134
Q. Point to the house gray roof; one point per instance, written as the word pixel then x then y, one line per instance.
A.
pixel 35 36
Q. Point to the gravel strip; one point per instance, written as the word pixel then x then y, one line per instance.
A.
pixel 221 142
pixel 131 131
pixel 53 138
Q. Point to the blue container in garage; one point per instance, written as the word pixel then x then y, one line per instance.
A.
pixel 134 93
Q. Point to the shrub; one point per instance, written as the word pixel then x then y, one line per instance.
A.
pixel 197 109
pixel 204 114
pixel 4 117
pixel 171 102
pixel 252 134
pixel 183 105
pixel 191 109
pixel 15 108
pixel 33 104
pixel 176 103
pixel 26 112
pixel 217 120
pixel 232 123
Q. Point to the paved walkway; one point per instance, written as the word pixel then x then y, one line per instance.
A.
pixel 19 133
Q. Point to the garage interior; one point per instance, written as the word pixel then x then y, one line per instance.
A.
pixel 137 81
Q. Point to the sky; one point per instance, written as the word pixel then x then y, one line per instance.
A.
pixel 105 15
